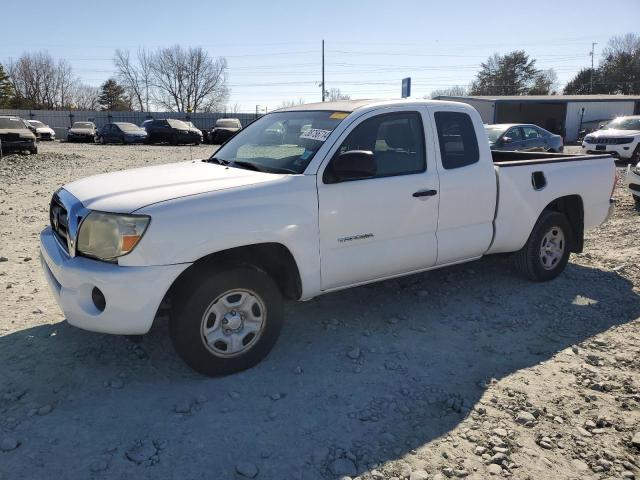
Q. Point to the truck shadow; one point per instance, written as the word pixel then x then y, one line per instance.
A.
pixel 368 375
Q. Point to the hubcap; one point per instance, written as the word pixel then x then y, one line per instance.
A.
pixel 233 323
pixel 552 248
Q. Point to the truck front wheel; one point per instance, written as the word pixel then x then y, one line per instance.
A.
pixel 226 320
pixel 546 253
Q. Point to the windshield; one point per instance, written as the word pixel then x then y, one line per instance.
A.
pixel 228 124
pixel 280 142
pixel 494 133
pixel 179 124
pixel 128 127
pixel 13 123
pixel 624 123
pixel 82 125
pixel 37 124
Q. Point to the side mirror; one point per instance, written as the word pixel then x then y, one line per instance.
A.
pixel 507 140
pixel 354 165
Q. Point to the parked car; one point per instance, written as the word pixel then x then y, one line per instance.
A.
pixel 523 137
pixel 172 131
pixel 361 196
pixel 224 129
pixel 633 182
pixel 121 132
pixel 204 135
pixel 620 137
pixel 42 131
pixel 15 135
pixel 82 132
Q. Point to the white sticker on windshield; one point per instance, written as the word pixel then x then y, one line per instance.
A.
pixel 316 134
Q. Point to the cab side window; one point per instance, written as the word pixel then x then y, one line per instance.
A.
pixel 396 140
pixel 457 139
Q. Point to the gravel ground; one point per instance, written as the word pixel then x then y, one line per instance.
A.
pixel 466 372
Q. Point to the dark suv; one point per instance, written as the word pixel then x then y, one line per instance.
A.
pixel 15 135
pixel 171 131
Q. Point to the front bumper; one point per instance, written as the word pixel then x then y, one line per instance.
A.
pixel 621 151
pixel 132 294
pixel 134 139
pixel 16 145
pixel 74 137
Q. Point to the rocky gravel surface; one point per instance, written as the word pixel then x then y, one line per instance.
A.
pixel 469 372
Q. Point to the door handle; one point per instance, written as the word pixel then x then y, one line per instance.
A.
pixel 425 193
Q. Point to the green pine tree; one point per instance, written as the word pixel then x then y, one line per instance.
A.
pixel 113 96
pixel 6 89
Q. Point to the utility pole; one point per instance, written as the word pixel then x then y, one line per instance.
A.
pixel 593 47
pixel 323 89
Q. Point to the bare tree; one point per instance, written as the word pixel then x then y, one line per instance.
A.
pixel 135 76
pixel 85 97
pixel 334 94
pixel 188 79
pixel 39 81
pixel 291 103
pixel 455 91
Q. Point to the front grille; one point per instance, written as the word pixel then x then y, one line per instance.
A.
pixel 59 218
pixel 46 135
pixel 9 137
pixel 635 187
pixel 610 141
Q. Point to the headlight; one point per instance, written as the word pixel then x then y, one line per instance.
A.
pixel 588 139
pixel 636 169
pixel 110 235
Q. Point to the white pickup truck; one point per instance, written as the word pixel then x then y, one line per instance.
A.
pixel 305 201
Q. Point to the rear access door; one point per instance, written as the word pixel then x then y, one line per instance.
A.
pixel 468 186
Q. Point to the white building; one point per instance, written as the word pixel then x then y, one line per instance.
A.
pixel 562 114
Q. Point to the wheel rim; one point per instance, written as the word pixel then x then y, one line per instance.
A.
pixel 233 323
pixel 552 248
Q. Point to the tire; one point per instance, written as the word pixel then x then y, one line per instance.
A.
pixel 530 260
pixel 201 306
pixel 635 156
pixel 33 151
pixel 103 141
pixel 174 140
pixel 637 201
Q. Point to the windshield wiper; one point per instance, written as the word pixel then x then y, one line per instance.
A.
pixel 219 161
pixel 247 165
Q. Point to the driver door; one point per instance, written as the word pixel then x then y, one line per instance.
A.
pixel 383 225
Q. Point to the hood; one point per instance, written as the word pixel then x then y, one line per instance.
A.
pixel 44 129
pixel 129 190
pixel 81 130
pixel 23 132
pixel 612 132
pixel 137 133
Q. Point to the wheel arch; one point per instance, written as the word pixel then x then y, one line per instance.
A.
pixel 572 207
pixel 273 258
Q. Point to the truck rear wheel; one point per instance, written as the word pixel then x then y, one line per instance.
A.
pixel 227 320
pixel 546 253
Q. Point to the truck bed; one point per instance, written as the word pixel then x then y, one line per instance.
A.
pixel 543 178
pixel 511 159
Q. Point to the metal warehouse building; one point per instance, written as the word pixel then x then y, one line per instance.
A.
pixel 562 114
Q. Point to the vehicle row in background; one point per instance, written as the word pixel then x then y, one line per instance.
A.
pixel 121 132
pixel 82 132
pixel 16 136
pixel 620 138
pixel 224 129
pixel 42 131
pixel 523 137
pixel 170 130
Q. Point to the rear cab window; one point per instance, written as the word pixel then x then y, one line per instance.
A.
pixel 457 139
